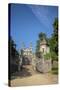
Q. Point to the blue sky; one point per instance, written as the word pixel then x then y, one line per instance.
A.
pixel 27 21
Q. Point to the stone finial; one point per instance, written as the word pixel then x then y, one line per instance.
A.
pixel 31 45
pixel 23 45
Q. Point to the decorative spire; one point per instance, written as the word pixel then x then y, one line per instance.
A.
pixel 43 42
pixel 23 45
pixel 31 45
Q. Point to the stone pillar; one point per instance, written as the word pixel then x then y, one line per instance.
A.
pixel 20 63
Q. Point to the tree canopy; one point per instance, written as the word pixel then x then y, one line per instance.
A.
pixel 54 40
pixel 13 52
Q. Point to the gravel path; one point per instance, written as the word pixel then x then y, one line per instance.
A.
pixel 28 79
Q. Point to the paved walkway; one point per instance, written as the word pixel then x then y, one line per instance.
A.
pixel 28 77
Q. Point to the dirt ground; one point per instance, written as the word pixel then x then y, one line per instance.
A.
pixel 28 77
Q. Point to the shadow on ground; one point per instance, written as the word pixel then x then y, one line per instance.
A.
pixel 55 70
pixel 23 73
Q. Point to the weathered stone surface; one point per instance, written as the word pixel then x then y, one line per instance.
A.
pixel 47 66
pixel 43 65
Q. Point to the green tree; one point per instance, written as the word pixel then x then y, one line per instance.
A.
pixel 55 34
pixel 13 51
pixel 54 41
pixel 14 57
pixel 47 56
